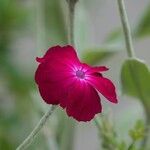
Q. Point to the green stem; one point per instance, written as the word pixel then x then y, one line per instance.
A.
pixel 36 130
pixel 131 146
pixel 131 54
pixel 71 7
pixel 67 136
pixel 106 134
pixel 40 25
pixel 126 28
pixel 97 124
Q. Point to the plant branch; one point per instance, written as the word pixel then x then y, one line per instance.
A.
pixel 126 28
pixel 131 54
pixel 71 7
pixel 67 135
pixel 36 130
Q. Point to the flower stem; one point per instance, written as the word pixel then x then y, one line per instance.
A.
pixel 126 28
pixel 131 54
pixel 71 7
pixel 36 130
pixel 40 25
pixel 67 136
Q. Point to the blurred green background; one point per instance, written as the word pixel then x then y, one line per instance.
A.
pixel 27 29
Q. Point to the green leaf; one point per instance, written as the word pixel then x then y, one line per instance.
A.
pixel 143 28
pixel 112 44
pixel 95 55
pixel 135 78
pixel 11 16
pixel 115 36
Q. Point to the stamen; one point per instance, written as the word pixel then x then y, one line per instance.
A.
pixel 80 74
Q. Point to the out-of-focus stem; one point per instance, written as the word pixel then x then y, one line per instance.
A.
pixel 40 25
pixel 71 7
pixel 67 136
pixel 36 130
pixel 126 28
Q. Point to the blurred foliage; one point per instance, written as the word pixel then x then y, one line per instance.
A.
pixel 113 44
pixel 93 56
pixel 143 28
pixel 11 17
pixel 115 40
pixel 18 110
pixel 56 25
pixel 107 133
pixel 138 132
pixel 109 137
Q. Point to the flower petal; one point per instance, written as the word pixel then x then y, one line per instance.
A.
pixel 48 72
pixel 55 73
pixel 57 64
pixel 60 54
pixel 52 93
pixel 83 102
pixel 49 95
pixel 96 69
pixel 100 68
pixel 104 86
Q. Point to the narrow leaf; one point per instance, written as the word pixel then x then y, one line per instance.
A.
pixel 143 28
pixel 95 55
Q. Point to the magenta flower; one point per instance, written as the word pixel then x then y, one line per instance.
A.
pixel 62 79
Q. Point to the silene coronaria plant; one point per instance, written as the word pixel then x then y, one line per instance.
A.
pixel 63 80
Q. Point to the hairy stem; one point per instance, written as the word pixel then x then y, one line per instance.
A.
pixel 36 130
pixel 131 54
pixel 126 28
pixel 71 7
pixel 40 25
